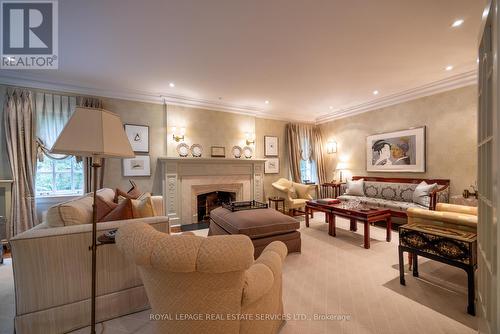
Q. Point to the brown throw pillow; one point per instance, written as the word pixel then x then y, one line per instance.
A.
pixel 122 211
pixel 103 207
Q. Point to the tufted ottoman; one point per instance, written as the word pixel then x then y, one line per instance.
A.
pixel 262 226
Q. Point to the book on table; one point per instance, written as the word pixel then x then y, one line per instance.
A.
pixel 327 201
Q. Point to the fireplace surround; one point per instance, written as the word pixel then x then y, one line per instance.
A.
pixel 186 178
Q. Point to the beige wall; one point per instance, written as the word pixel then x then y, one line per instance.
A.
pixel 205 127
pixel 140 113
pixel 450 119
pixel 266 127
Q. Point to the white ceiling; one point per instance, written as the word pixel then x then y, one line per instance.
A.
pixel 302 56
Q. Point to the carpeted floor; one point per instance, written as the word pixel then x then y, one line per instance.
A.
pixel 337 278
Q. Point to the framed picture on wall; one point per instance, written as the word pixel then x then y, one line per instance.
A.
pixel 271 146
pixel 138 136
pixel 272 166
pixel 398 151
pixel 138 166
pixel 218 152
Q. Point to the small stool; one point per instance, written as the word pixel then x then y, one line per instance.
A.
pixel 277 200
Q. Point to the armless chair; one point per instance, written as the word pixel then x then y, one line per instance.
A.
pixel 216 278
pixel 295 194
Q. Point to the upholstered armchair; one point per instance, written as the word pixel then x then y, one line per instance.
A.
pixel 216 278
pixel 295 194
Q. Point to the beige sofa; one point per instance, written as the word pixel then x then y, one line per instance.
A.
pixel 215 277
pixel 52 273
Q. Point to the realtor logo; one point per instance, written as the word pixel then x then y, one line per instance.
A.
pixel 29 34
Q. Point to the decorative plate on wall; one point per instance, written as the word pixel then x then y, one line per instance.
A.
pixel 247 152
pixel 183 149
pixel 236 152
pixel 196 150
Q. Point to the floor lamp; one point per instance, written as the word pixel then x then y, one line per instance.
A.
pixel 98 134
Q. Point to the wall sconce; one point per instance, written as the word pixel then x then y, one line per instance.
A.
pixel 250 139
pixel 331 147
pixel 178 135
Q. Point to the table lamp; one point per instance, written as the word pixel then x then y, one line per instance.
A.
pixel 98 134
pixel 341 166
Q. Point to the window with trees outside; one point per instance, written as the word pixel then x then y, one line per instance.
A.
pixel 307 171
pixel 59 177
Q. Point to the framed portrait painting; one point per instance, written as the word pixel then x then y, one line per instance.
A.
pixel 398 151
pixel 138 166
pixel 271 146
pixel 138 136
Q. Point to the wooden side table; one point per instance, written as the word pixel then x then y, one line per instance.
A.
pixel 332 189
pixel 277 200
pixel 454 247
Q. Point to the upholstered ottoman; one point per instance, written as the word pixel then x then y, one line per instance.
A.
pixel 262 226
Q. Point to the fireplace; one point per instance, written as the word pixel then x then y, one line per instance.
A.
pixel 209 201
pixel 185 179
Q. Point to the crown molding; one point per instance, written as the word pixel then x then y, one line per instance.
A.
pixel 457 81
pixel 134 95
pixel 14 79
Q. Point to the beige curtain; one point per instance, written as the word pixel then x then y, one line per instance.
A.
pixel 52 113
pixel 21 149
pixel 318 151
pixel 292 141
pixel 305 142
pixel 90 102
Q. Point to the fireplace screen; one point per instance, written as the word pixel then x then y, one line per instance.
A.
pixel 209 201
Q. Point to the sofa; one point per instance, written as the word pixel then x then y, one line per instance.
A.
pixel 52 270
pixel 295 194
pixel 397 194
pixel 215 278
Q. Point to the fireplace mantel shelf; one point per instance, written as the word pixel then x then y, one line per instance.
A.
pixel 209 160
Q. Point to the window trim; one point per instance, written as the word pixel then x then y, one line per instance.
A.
pixel 60 194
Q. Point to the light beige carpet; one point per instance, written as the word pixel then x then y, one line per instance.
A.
pixel 335 277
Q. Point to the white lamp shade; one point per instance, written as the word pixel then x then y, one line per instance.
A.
pixel 95 133
pixel 342 166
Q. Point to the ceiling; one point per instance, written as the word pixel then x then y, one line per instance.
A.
pixel 311 60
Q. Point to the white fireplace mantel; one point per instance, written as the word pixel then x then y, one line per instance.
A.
pixel 182 175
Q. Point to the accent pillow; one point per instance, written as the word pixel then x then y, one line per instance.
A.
pixel 143 207
pixel 422 192
pixel 121 212
pixel 74 212
pixel 355 188
pixel 293 193
pixel 103 207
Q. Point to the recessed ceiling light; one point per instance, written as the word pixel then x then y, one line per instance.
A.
pixel 375 92
pixel 477 60
pixel 266 102
pixel 330 107
pixel 457 23
pixel 171 84
pixel 449 68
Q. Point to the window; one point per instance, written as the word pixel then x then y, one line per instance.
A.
pixel 59 177
pixel 307 171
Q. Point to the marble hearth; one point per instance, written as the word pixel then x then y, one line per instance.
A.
pixel 186 178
